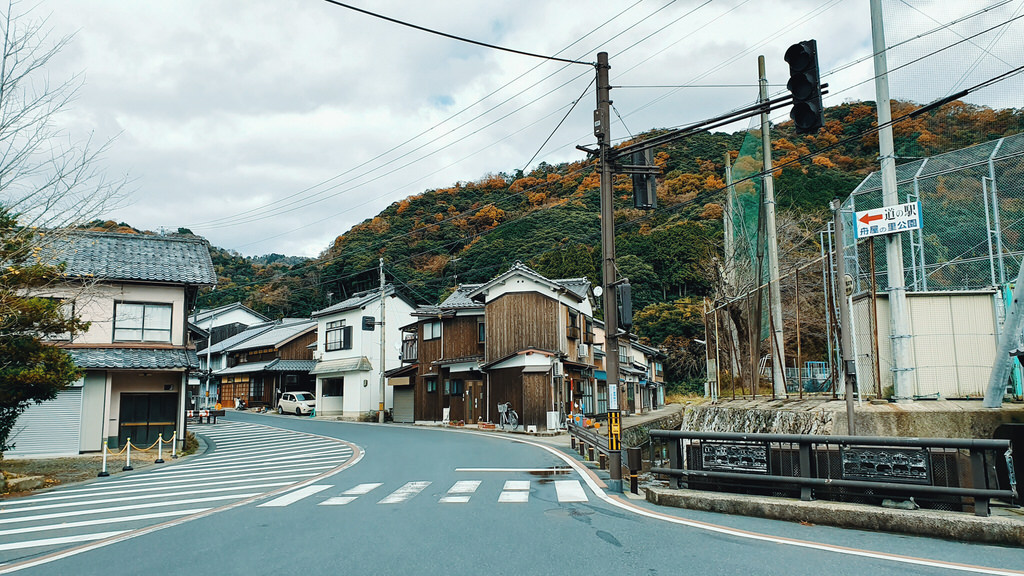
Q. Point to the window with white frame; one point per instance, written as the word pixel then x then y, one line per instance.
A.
pixel 142 322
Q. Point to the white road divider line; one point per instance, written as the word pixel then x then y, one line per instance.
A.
pixel 295 496
pixel 404 493
pixel 570 491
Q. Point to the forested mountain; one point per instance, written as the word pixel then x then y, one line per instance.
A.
pixel 549 220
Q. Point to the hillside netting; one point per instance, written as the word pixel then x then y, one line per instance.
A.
pixel 972 204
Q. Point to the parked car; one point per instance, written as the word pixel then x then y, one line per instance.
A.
pixel 298 403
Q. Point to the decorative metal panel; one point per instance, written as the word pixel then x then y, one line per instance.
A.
pixel 751 458
pixel 884 464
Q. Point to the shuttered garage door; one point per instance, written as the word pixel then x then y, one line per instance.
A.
pixel 51 428
pixel 404 396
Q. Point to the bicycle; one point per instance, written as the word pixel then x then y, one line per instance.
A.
pixel 507 415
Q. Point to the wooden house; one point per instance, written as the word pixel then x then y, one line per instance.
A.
pixel 268 362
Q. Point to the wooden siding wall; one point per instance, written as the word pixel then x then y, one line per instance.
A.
pixel 529 393
pixel 298 349
pixel 518 321
pixel 460 337
pixel 428 404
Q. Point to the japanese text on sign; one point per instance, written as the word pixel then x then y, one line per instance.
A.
pixel 888 220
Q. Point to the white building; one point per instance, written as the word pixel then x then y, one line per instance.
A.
pixel 349 370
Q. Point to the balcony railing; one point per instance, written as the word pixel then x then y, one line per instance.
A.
pixel 410 349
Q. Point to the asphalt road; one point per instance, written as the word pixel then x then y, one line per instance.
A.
pixel 315 497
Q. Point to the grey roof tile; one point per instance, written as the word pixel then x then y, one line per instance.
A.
pixel 134 358
pixel 140 257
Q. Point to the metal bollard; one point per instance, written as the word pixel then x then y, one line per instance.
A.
pixel 634 462
pixel 572 442
pixel 590 453
pixel 602 461
pixel 128 457
pixel 159 449
pixel 103 473
pixel 174 444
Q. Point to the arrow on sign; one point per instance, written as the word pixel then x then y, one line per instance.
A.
pixel 868 218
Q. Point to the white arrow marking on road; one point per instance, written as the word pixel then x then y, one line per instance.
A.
pixel 570 491
pixel 404 493
pixel 295 496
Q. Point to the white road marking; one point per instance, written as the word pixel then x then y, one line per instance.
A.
pixel 461 492
pixel 59 541
pixel 66 525
pixel 338 500
pixel 517 485
pixel 404 493
pixel 517 497
pixel 362 489
pixel 560 470
pixel 570 491
pixel 128 507
pixel 295 496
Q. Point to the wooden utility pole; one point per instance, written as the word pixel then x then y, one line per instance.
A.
pixel 602 129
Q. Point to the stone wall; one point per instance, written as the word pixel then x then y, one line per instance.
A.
pixel 639 434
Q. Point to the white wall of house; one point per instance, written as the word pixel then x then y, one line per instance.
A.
pixel 362 388
pixel 97 306
pixel 234 316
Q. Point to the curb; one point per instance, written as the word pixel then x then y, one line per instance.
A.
pixel 931 523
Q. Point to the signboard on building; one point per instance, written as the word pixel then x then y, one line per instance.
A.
pixel 887 220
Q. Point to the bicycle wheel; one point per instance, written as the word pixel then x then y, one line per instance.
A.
pixel 514 420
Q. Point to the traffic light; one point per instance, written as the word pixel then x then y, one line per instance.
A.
pixel 805 85
pixel 645 195
pixel 625 301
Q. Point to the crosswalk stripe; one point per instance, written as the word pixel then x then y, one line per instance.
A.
pixel 363 489
pixel 404 493
pixel 517 485
pixel 58 541
pixel 338 500
pixel 514 496
pixel 570 491
pixel 134 518
pixel 461 492
pixel 128 507
pixel 295 496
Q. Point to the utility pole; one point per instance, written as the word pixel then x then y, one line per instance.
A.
pixel 602 129
pixel 899 323
pixel 380 412
pixel 774 293
pixel 846 335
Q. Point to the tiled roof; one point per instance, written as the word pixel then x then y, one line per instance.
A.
pixel 140 257
pixel 460 298
pixel 578 286
pixel 292 366
pixel 357 300
pixel 205 314
pixel 277 335
pixel 247 334
pixel 574 285
pixel 134 358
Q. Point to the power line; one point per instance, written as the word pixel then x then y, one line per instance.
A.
pixel 454 37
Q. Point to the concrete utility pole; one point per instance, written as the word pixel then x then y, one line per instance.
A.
pixel 380 413
pixel 727 228
pixel 849 368
pixel 774 293
pixel 602 129
pixel 899 323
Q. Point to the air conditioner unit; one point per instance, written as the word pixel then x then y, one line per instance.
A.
pixel 582 350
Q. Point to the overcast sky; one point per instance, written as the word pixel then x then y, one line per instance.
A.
pixel 275 125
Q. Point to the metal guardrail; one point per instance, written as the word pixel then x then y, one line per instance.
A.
pixel 586 442
pixel 835 467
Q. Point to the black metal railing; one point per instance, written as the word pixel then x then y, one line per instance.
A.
pixel 942 473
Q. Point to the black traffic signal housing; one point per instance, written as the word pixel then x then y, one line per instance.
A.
pixel 368 323
pixel 808 114
pixel 645 196
pixel 624 295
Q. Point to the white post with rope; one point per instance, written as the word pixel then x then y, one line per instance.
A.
pixel 103 473
pixel 174 445
pixel 159 449
pixel 128 457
